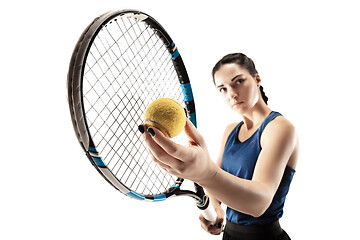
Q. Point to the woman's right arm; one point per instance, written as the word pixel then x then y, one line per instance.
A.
pixel 215 229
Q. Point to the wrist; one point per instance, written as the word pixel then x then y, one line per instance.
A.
pixel 210 176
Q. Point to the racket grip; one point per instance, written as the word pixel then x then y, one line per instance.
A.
pixel 207 210
pixel 209 214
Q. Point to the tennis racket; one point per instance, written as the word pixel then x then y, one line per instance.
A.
pixel 122 62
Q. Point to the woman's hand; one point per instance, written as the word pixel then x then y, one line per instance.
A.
pixel 190 162
pixel 214 229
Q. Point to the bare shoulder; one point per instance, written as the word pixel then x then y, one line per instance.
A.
pixel 227 131
pixel 280 125
pixel 281 133
pixel 229 128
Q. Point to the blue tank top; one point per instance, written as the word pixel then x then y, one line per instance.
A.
pixel 239 159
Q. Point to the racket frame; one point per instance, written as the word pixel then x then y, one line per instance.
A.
pixel 76 104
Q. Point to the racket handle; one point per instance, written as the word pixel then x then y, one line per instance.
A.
pixel 209 214
pixel 204 205
pixel 207 209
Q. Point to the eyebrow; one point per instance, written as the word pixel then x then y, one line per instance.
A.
pixel 231 80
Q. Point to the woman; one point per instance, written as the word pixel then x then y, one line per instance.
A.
pixel 256 163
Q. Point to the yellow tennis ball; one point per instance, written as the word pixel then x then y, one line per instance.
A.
pixel 167 115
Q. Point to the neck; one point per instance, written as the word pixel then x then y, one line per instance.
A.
pixel 256 115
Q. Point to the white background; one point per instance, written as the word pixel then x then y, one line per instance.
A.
pixel 307 53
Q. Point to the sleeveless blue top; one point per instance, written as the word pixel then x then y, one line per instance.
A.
pixel 239 159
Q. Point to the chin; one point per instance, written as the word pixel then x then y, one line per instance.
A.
pixel 241 109
pixel 238 110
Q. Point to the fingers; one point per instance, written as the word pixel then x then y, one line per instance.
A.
pixel 165 152
pixel 161 165
pixel 215 229
pixel 179 160
pixel 166 144
pixel 175 150
pixel 193 133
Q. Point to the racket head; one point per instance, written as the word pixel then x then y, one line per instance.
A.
pixel 122 62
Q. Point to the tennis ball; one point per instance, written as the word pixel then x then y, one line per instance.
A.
pixel 167 115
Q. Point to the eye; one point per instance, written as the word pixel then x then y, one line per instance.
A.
pixel 239 81
pixel 222 90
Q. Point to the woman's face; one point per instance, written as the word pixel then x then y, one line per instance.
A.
pixel 237 87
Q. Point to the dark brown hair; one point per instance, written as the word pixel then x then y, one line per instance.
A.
pixel 243 61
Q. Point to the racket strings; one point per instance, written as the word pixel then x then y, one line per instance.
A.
pixel 131 43
pixel 128 67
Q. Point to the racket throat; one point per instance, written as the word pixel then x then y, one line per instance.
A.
pixel 203 201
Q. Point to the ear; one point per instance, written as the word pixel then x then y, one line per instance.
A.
pixel 258 80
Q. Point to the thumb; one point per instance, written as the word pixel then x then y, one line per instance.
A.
pixel 193 134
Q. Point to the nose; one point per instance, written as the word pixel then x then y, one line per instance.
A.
pixel 232 94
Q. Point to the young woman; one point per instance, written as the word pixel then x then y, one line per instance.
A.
pixel 256 163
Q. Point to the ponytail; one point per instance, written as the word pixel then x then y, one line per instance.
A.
pixel 264 97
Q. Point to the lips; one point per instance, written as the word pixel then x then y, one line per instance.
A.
pixel 236 104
